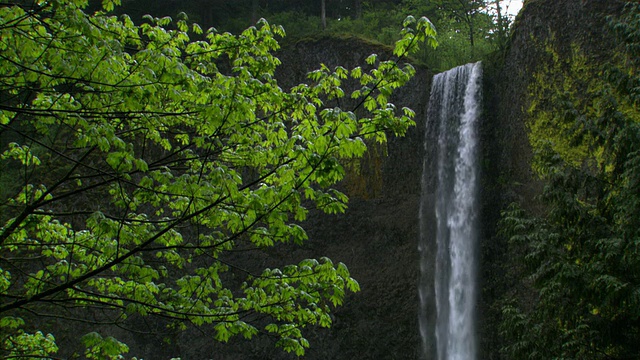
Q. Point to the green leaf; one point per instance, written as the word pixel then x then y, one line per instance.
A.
pixel 139 174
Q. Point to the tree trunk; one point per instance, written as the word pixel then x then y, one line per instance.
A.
pixel 357 4
pixel 470 19
pixel 323 14
pixel 501 29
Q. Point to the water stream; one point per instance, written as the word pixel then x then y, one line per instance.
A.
pixel 448 216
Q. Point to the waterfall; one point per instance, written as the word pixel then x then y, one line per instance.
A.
pixel 448 216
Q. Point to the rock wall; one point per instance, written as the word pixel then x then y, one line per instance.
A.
pixel 376 238
pixel 507 154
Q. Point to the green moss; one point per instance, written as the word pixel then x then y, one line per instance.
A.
pixel 363 177
pixel 569 100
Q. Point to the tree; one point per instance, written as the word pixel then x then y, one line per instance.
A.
pixel 582 255
pixel 502 24
pixel 465 12
pixel 323 14
pixel 137 159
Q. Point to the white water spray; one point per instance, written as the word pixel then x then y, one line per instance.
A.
pixel 448 216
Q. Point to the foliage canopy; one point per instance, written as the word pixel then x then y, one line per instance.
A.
pixel 469 30
pixel 138 160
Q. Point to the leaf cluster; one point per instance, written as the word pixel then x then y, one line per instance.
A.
pixel 145 157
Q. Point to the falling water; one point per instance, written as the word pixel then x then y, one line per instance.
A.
pixel 448 216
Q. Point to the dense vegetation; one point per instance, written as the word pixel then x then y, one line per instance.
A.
pixel 468 29
pixel 581 252
pixel 138 161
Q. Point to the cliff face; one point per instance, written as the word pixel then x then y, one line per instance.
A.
pixel 541 25
pixel 376 238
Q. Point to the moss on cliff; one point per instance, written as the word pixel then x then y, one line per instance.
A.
pixel 555 50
